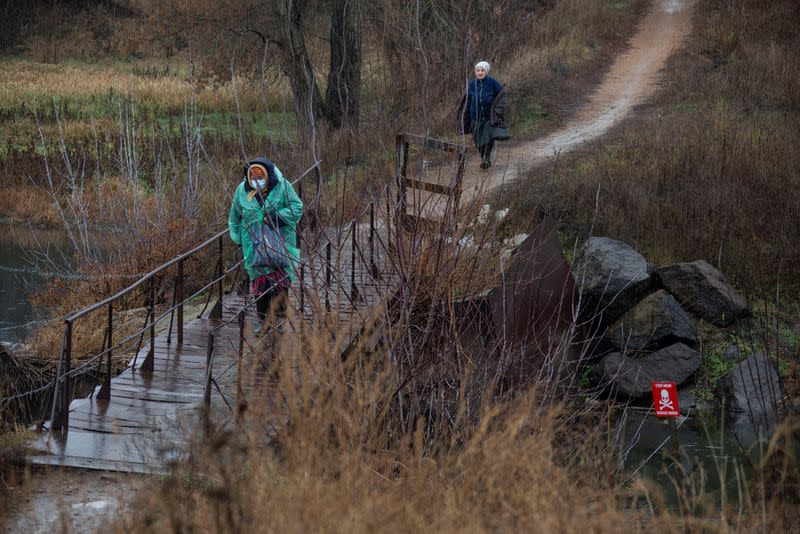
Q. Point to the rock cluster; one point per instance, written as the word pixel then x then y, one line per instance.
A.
pixel 647 318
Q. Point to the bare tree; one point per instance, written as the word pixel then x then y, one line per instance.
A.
pixel 281 28
pixel 344 77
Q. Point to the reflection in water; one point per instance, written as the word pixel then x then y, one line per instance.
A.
pixel 21 250
pixel 717 450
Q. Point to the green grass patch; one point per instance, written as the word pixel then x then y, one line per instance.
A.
pixel 686 106
pixel 261 125
pixel 529 117
pixel 619 6
pixel 715 365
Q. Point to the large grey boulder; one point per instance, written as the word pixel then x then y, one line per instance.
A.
pixel 657 320
pixel 753 387
pixel 611 275
pixel 631 377
pixel 753 399
pixel 702 289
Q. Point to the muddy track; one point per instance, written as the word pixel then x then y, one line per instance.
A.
pixel 632 78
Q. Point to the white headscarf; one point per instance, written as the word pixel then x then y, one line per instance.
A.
pixel 483 65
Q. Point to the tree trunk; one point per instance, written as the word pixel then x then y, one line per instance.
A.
pixel 344 77
pixel 308 104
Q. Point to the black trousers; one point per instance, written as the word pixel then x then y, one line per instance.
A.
pixel 275 298
pixel 486 151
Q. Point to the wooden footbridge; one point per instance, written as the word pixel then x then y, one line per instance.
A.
pixel 181 374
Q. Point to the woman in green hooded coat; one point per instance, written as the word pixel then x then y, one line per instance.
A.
pixel 265 198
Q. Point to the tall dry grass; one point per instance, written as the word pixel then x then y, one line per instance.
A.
pixel 360 444
pixel 28 204
pixel 31 86
pixel 318 450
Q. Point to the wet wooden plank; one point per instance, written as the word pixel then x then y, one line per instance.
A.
pixel 110 427
pixel 180 397
pixel 132 410
pixel 100 464
pixel 94 450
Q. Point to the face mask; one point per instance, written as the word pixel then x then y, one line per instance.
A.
pixel 258 184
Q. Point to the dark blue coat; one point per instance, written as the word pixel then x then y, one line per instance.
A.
pixel 481 94
pixel 484 100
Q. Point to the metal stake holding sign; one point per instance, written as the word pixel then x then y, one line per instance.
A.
pixel 665 402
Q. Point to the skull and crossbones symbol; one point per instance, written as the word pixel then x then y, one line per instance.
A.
pixel 665 403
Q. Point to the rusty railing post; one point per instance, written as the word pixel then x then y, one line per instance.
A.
pixel 402 167
pixel 172 310
pixel 148 365
pixel 216 311
pixel 372 266
pixel 302 290
pixel 207 390
pixel 299 228
pixel 241 403
pixel 105 390
pixel 179 298
pixel 354 244
pixel 60 419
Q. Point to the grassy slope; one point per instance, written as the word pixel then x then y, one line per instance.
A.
pixel 708 169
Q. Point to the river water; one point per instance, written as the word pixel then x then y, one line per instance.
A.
pixel 719 452
pixel 28 258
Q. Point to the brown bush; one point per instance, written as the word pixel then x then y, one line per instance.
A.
pixel 29 204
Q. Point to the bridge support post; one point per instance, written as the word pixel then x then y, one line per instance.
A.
pixel 302 290
pixel 148 365
pixel 179 298
pixel 328 276
pixel 216 311
pixel 207 390
pixel 105 390
pixel 241 402
pixel 62 394
pixel 401 146
pixel 374 271
pixel 354 244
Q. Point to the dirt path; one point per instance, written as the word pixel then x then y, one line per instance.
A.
pixel 632 78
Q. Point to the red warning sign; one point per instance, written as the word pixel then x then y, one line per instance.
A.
pixel 665 399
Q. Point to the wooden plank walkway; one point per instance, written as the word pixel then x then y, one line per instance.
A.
pixel 151 417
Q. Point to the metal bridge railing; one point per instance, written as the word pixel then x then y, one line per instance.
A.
pixel 320 260
pixel 149 285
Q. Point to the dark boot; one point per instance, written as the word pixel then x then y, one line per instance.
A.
pixel 486 155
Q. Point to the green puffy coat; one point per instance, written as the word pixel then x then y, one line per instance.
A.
pixel 246 213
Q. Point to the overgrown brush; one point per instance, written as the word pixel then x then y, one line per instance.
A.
pixel 22 380
pixel 351 457
pixel 336 462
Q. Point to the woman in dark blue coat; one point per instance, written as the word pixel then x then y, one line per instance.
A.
pixel 481 111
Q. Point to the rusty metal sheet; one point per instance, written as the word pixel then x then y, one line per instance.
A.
pixel 536 299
